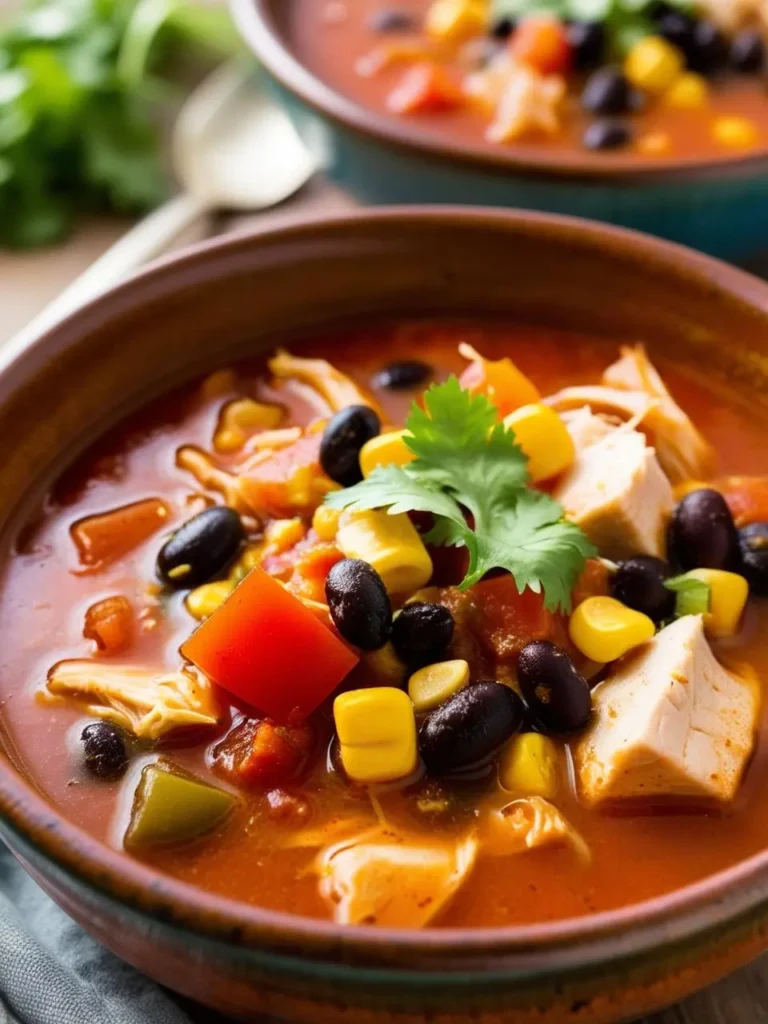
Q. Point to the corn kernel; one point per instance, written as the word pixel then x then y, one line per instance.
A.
pixel 203 601
pixel 219 383
pixel 689 91
pixel 654 143
pixel 282 534
pixel 528 766
pixel 390 544
pixel 385 450
pixel 385 665
pixel 603 628
pixel 325 522
pixel 377 733
pixel 653 64
pixel 728 593
pixel 240 418
pixel 434 684
pixel 544 438
pixel 454 20
pixel 735 132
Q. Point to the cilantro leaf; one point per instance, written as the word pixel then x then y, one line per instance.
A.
pixel 470 473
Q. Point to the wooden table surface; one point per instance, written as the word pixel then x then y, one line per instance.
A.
pixel 29 281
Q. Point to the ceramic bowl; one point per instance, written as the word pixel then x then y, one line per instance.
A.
pixel 720 207
pixel 240 296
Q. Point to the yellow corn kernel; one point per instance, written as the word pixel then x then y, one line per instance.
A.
pixel 385 665
pixel 385 450
pixel 454 20
pixel 544 438
pixel 203 601
pixel 603 628
pixel 528 766
pixel 431 686
pixel 390 544
pixel 735 132
pixel 653 64
pixel 654 143
pixel 689 91
pixel 218 384
pixel 377 733
pixel 728 593
pixel 282 534
pixel 325 522
pixel 242 417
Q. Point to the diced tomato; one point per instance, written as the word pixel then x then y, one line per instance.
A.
pixel 105 537
pixel 286 481
pixel 747 497
pixel 541 42
pixel 424 89
pixel 500 381
pixel 262 753
pixel 264 646
pixel 507 620
pixel 593 582
pixel 110 624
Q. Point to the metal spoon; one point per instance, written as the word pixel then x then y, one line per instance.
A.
pixel 232 149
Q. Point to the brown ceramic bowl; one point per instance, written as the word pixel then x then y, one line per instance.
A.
pixel 719 205
pixel 237 296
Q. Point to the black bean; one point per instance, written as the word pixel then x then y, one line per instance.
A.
pixel 606 135
pixel 202 548
pixel 556 693
pixel 422 633
pixel 639 584
pixel 702 533
pixel 678 28
pixel 105 752
pixel 469 727
pixel 748 52
pixel 390 19
pixel 587 39
pixel 753 542
pixel 359 603
pixel 343 438
pixel 709 48
pixel 502 28
pixel 403 375
pixel 606 92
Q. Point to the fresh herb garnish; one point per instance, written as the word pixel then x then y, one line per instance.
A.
pixel 692 596
pixel 78 93
pixel 468 462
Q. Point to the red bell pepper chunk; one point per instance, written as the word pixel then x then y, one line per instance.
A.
pixel 541 42
pixel 425 88
pixel 265 647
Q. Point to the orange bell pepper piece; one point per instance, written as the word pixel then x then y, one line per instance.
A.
pixel 499 380
pixel 424 89
pixel 540 41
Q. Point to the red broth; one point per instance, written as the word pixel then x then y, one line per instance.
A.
pixel 45 595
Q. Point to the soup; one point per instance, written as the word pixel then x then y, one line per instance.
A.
pixel 648 81
pixel 508 701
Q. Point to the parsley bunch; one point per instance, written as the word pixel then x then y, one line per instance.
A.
pixel 79 91
pixel 468 462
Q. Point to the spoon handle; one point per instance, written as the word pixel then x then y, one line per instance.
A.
pixel 150 238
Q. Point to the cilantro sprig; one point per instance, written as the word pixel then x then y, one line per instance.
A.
pixel 470 470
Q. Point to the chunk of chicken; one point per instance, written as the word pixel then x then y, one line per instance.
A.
pixel 585 427
pixel 670 721
pixel 146 703
pixel 683 452
pixel 528 824
pixel 391 881
pixel 335 389
pixel 616 492
pixel 524 101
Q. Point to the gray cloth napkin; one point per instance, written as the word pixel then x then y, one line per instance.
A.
pixel 51 972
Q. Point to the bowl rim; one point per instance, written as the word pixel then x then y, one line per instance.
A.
pixel 715 901
pixel 259 29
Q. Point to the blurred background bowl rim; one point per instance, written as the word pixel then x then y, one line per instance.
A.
pixel 718 900
pixel 258 27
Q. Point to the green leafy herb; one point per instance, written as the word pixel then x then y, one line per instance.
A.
pixel 692 596
pixel 468 462
pixel 79 88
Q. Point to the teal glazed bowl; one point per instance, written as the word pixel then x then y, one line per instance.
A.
pixel 720 208
pixel 238 297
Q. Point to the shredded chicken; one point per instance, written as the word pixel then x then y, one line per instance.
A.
pixel 524 101
pixel 335 388
pixel 139 700
pixel 528 824
pixel 682 451
pixel 394 881
pixel 732 15
pixel 203 468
